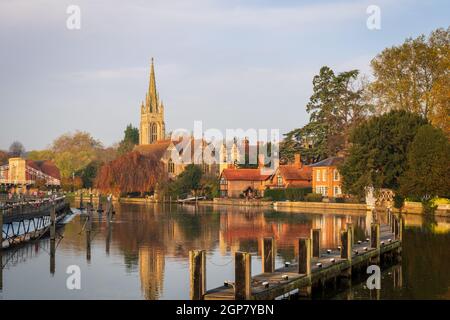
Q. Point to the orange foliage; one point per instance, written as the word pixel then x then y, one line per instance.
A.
pixel 132 172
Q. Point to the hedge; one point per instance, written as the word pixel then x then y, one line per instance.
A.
pixel 291 194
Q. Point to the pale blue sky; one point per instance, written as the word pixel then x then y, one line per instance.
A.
pixel 232 64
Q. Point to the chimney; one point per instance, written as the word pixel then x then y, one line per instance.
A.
pixel 260 161
pixel 298 160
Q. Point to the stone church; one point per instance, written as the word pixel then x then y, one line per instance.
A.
pixel 152 127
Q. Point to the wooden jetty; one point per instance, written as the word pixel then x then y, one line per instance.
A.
pixel 22 221
pixel 315 267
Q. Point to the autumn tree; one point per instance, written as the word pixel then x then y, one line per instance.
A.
pixel 415 76
pixel 3 157
pixel 130 173
pixel 337 105
pixel 379 150
pixel 428 165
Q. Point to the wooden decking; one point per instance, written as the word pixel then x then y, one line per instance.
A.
pixel 327 267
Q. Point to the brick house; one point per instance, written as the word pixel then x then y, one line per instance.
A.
pixel 326 179
pixel 293 175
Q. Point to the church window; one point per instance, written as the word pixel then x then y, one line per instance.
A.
pixel 171 166
pixel 153 132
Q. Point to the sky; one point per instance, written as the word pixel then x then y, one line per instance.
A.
pixel 231 64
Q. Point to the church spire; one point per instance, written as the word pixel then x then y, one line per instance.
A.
pixel 153 96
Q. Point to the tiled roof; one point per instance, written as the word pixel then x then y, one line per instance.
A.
pixel 293 172
pixel 157 148
pixel 48 167
pixel 244 175
pixel 332 161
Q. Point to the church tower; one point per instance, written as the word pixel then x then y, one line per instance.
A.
pixel 152 114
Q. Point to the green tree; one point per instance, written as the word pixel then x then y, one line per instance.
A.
pixel 338 104
pixel 131 138
pixel 378 153
pixel 73 152
pixel 187 181
pixel 40 155
pixel 428 165
pixel 415 76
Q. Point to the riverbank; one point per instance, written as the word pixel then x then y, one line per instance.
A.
pixel 415 208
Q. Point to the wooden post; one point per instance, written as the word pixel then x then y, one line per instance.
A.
pixel 1 269
pixel 397 228
pixel 304 256
pixel 393 223
pixel 53 222
pixel 91 202
pixel 315 239
pixel 99 206
pixel 351 230
pixel 375 235
pixel 346 245
pixel 268 255
pixel 88 237
pixel 401 227
pixel 1 226
pixel 52 256
pixel 243 273
pixel 81 201
pixel 197 270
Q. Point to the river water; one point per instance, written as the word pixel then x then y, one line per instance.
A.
pixel 144 253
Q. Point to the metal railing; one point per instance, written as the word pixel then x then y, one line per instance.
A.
pixel 31 205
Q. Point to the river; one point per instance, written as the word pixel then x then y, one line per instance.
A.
pixel 144 253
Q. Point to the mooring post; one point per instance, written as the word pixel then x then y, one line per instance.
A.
pixel 315 238
pixel 53 222
pixel 396 228
pixel 243 273
pixel 88 237
pixel 1 225
pixel 393 223
pixel 1 269
pixel 52 256
pixel 81 200
pixel 304 256
pixel 91 201
pixel 99 206
pixel 268 255
pixel 401 227
pixel 351 230
pixel 346 245
pixel 375 235
pixel 197 270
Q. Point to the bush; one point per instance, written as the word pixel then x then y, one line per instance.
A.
pixel 313 197
pixel 291 194
pixel 339 200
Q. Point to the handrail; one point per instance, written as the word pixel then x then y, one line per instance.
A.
pixel 27 207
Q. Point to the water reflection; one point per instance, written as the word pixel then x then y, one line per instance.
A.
pixel 144 249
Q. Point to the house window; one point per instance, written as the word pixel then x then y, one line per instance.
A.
pixel 336 175
pixel 322 190
pixel 223 181
pixel 318 175
pixel 324 176
pixel 279 180
pixel 337 191
pixel 171 166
